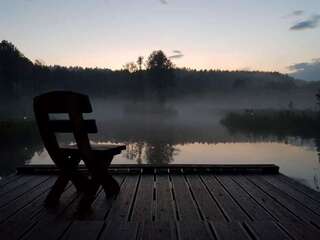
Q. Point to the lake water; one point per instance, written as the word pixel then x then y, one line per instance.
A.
pixel 192 136
pixel 299 162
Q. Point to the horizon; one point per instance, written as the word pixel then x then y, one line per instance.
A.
pixel 38 62
pixel 268 37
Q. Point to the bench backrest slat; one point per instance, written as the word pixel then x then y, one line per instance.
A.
pixel 73 104
pixel 65 126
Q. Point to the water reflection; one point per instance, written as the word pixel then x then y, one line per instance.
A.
pixel 317 144
pixel 299 162
pixel 158 153
pixel 316 178
pixel 175 140
pixel 152 153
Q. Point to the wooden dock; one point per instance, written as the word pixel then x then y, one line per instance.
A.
pixel 175 202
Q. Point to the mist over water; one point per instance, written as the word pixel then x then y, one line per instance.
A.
pixel 168 115
pixel 187 131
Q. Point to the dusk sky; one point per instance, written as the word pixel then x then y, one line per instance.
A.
pixel 269 35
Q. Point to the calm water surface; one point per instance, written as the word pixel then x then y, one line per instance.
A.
pixel 183 137
pixel 298 162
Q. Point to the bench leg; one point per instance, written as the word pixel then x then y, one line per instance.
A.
pixel 56 191
pixel 70 168
pixel 68 172
pixel 110 186
pixel 100 175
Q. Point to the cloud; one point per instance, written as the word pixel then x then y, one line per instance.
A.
pixel 176 54
pixel 311 22
pixel 295 13
pixel 177 51
pixel 164 1
pixel 306 70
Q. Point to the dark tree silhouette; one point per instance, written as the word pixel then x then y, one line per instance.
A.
pixel 39 62
pixel 21 79
pixel 318 97
pixel 140 62
pixel 131 67
pixel 15 70
pixel 158 61
pixel 161 74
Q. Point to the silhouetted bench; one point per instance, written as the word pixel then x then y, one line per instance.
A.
pixel 97 158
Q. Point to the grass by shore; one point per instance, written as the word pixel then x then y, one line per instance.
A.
pixel 289 122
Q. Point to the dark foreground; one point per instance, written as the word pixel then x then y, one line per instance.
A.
pixel 165 205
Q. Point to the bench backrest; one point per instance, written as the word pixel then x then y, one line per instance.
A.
pixel 73 104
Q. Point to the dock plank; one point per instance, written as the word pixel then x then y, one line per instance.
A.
pixel 300 187
pixel 61 222
pixel 14 206
pixel 186 206
pixel 158 231
pixel 285 200
pixel 18 222
pixel 15 184
pixel 83 230
pixel 230 209
pixel 166 205
pixel 51 223
pixel 230 230
pixel 300 197
pixel 200 230
pixel 6 180
pixel 165 208
pixel 273 207
pixel 300 231
pixel 208 207
pixel 266 230
pixel 143 205
pixel 21 189
pixel 121 208
pixel 116 230
pixel 254 210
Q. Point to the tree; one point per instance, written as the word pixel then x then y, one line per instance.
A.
pixel 15 69
pixel 158 61
pixel 140 62
pixel 130 67
pixel 39 62
pixel 160 74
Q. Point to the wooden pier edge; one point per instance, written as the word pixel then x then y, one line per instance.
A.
pixel 168 205
pixel 151 168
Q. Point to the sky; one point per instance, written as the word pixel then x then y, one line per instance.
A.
pixel 273 35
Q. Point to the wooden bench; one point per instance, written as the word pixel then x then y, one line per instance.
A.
pixel 97 158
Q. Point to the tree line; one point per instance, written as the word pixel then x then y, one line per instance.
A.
pixel 155 78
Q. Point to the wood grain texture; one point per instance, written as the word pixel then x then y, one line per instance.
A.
pixel 164 205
